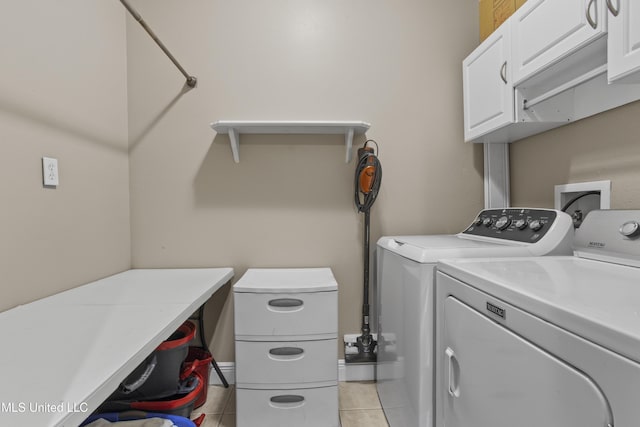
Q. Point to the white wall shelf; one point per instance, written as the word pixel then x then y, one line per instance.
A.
pixel 236 127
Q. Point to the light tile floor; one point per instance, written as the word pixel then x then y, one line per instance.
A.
pixel 358 403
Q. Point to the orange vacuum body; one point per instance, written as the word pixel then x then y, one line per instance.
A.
pixel 368 173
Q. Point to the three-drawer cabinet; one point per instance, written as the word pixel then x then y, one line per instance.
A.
pixel 286 331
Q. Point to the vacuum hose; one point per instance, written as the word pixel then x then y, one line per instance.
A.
pixel 368 178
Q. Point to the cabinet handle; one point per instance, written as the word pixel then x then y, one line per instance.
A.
pixel 614 10
pixel 594 24
pixel 454 373
pixel 503 72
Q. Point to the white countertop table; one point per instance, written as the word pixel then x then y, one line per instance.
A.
pixel 63 355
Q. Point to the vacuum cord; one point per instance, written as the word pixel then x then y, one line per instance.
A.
pixel 365 202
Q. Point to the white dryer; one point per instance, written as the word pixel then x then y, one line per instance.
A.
pixel 405 297
pixel 544 341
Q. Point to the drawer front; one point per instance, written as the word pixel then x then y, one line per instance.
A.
pixel 280 315
pixel 315 407
pixel 286 363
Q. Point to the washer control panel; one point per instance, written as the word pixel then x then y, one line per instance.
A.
pixel 521 225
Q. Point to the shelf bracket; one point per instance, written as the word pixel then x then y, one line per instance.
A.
pixel 234 139
pixel 348 142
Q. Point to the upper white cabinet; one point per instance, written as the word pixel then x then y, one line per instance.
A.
pixel 546 31
pixel 487 89
pixel 552 62
pixel 624 41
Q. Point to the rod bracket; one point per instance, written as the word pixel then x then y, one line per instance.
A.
pixel 192 81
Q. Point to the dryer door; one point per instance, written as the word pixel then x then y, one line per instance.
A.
pixel 495 378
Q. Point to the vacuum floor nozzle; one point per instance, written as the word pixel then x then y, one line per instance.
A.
pixel 360 350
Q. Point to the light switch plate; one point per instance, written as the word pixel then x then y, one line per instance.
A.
pixel 50 172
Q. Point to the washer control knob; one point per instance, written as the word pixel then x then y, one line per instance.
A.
pixel 521 224
pixel 535 225
pixel 503 223
pixel 478 221
pixel 630 229
pixel 487 222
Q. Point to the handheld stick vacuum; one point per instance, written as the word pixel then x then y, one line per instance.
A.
pixel 367 184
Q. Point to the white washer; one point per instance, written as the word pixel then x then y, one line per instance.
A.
pixel 544 341
pixel 405 297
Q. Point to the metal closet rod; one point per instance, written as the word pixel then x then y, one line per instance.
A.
pixel 191 80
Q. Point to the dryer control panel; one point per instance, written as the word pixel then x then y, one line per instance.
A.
pixel 518 224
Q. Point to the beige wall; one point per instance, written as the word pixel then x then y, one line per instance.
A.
pixel 62 95
pixel 603 147
pixel 289 202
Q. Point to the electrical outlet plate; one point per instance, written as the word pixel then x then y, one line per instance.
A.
pixel 50 172
pixel 565 193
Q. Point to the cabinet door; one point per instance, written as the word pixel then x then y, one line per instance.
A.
pixel 624 41
pixel 545 31
pixel 493 377
pixel 487 89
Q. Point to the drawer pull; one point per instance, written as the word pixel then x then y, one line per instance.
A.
pixel 287 401
pixel 286 353
pixel 286 304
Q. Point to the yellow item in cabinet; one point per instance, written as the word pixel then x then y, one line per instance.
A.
pixel 494 12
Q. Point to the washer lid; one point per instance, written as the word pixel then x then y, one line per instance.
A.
pixel 429 249
pixel 286 280
pixel 595 300
pixel 441 241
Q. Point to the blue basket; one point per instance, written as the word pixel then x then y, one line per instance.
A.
pixel 139 415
